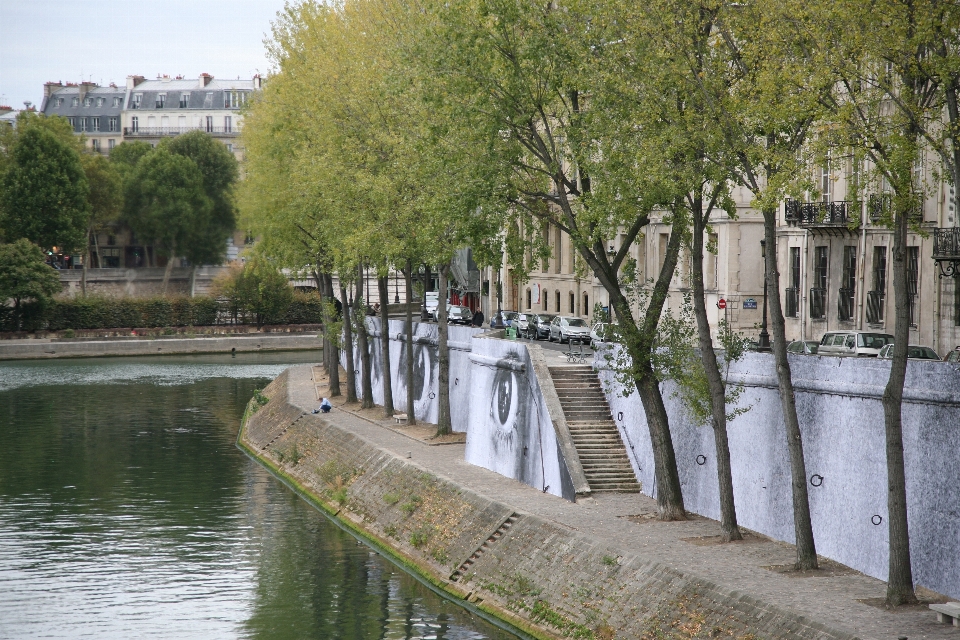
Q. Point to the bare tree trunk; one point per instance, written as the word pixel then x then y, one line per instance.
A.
pixel 348 347
pixel 366 382
pixel 640 343
pixel 729 529
pixel 384 290
pixel 443 356
pixel 86 259
pixel 168 270
pixel 803 528
pixel 411 406
pixel 900 578
pixel 330 344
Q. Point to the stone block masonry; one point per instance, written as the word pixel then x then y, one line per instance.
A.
pixel 548 566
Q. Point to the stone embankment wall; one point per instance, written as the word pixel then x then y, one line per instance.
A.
pixel 495 397
pixel 841 419
pixel 40 348
pixel 140 282
pixel 545 579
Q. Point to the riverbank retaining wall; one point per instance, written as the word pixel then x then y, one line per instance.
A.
pixel 495 397
pixel 37 349
pixel 842 424
pixel 543 578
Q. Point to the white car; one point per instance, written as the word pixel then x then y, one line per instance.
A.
pixel 563 328
pixel 604 332
pixel 914 352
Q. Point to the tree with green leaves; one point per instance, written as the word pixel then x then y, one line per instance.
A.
pixel 165 201
pixel 105 199
pixel 43 193
pixel 25 276
pixel 263 290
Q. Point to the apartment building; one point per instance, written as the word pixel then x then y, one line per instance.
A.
pixel 92 111
pixel 166 107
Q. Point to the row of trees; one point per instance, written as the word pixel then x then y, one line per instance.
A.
pixel 395 132
pixel 177 196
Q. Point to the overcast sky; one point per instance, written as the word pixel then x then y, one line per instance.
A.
pixel 107 40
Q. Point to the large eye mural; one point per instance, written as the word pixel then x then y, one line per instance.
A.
pixel 508 409
pixel 424 367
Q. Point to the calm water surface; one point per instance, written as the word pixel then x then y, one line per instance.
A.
pixel 126 510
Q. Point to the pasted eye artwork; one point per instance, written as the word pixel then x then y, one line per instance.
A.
pixel 424 370
pixel 507 407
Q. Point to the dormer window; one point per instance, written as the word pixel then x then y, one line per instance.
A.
pixel 59 102
pixel 137 99
pixel 75 102
pixel 88 102
pixel 99 102
pixel 161 100
pixel 116 102
pixel 233 99
pixel 184 100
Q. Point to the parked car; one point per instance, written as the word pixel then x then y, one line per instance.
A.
pixel 914 352
pixel 604 332
pixel 953 356
pixel 523 323
pixel 806 347
pixel 538 325
pixel 432 301
pixel 853 343
pixel 509 318
pixel 563 328
pixel 455 314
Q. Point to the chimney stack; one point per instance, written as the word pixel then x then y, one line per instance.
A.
pixel 50 87
pixel 205 78
pixel 133 81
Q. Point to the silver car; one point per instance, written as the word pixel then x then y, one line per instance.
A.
pixel 563 328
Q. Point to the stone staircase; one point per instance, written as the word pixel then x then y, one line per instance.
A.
pixel 602 454
pixel 501 531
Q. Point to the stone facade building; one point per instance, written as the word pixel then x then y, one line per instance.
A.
pixel 92 111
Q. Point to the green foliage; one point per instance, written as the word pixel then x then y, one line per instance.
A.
pixel 609 561
pixel 411 505
pixel 391 498
pixel 24 276
pixel 43 191
pixel 259 399
pixel 419 537
pixel 262 291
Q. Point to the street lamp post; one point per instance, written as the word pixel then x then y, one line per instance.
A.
pixel 764 342
pixel 396 288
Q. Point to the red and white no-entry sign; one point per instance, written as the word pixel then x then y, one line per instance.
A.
pixel 722 304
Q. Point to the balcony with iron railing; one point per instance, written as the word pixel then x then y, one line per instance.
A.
pixel 818 303
pixel 817 214
pixel 159 132
pixel 845 304
pixel 878 207
pixel 946 251
pixel 875 303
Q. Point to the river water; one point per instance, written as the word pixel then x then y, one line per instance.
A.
pixel 126 511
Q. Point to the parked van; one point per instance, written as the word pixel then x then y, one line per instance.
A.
pixel 853 343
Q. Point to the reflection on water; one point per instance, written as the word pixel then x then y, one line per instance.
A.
pixel 127 511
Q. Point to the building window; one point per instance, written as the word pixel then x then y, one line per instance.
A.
pixel 75 102
pixel 184 100
pixel 913 278
pixel 793 291
pixel 83 124
pixel 818 293
pixel 848 284
pixel 112 124
pixel 99 102
pixel 230 147
pixel 116 102
pixel 233 99
pixel 558 302
pixel 956 302
pixel 546 300
pixel 111 143
pixel 161 100
pixel 96 124
pixel 227 124
pixel 876 298
pixel 73 123
pixel 586 305
pixel 59 102
pixel 88 102
pixel 95 145
pixel 558 245
pixel 573 302
pixel 209 124
pixel 134 124
pixel 137 99
pixel 529 298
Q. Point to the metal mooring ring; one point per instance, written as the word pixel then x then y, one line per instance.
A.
pixel 816 479
pixel 456 381
pixel 876 520
pixel 620 416
pixel 432 395
pixel 701 460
